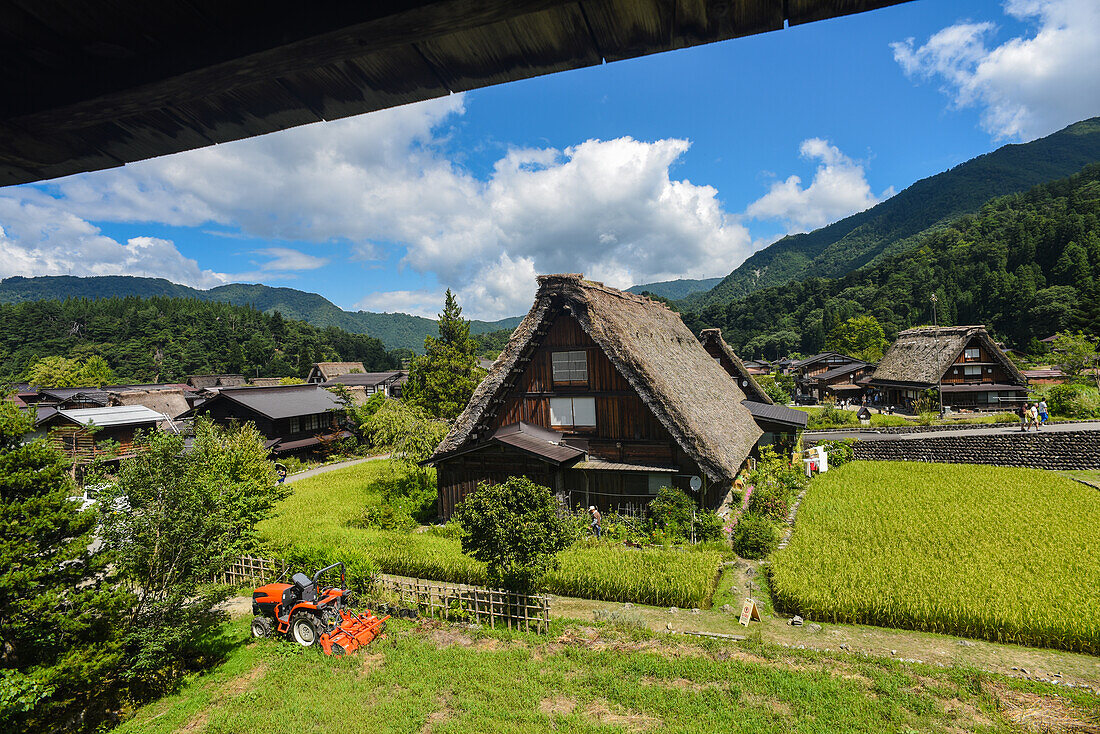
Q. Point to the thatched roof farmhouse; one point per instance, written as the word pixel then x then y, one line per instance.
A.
pixel 620 399
pixel 970 369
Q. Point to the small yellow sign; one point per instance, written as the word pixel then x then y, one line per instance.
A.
pixel 749 611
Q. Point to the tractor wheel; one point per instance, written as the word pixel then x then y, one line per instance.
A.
pixel 261 627
pixel 305 628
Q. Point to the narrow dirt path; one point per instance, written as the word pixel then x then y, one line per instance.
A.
pixel 943 650
pixel 333 467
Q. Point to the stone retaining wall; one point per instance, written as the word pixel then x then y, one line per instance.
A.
pixel 1068 450
pixel 891 430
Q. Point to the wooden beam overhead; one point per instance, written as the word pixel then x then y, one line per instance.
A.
pixel 92 85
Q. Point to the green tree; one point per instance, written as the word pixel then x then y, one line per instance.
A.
pixel 176 518
pixel 861 337
pixel 58 605
pixel 515 529
pixel 1075 352
pixel 66 372
pixel 443 380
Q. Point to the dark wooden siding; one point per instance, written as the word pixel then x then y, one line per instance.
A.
pixel 992 371
pixel 626 429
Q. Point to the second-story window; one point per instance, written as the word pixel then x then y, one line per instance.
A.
pixel 577 412
pixel 570 366
pixel 972 354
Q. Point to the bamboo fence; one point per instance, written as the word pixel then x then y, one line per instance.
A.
pixel 459 601
pixel 510 609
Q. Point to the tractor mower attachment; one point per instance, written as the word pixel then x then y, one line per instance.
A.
pixel 311 615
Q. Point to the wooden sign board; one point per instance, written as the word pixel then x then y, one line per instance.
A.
pixel 749 611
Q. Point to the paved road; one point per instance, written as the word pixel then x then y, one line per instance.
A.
pixel 333 467
pixel 870 435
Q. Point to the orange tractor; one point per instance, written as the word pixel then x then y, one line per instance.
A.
pixel 311 614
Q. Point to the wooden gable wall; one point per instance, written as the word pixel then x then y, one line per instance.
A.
pixel 992 371
pixel 626 429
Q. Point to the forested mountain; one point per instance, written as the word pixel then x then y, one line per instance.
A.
pixel 1026 265
pixel 895 224
pixel 395 330
pixel 165 339
pixel 676 289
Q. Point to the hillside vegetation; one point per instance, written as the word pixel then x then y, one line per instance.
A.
pixel 166 339
pixel 676 289
pixel 893 225
pixel 394 330
pixel 998 553
pixel 1026 264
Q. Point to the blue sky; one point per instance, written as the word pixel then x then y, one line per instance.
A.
pixel 674 165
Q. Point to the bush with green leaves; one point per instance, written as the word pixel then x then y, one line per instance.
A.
pixel 839 452
pixel 671 511
pixel 754 536
pixel 515 529
pixel 172 520
pixel 1073 401
pixel 832 417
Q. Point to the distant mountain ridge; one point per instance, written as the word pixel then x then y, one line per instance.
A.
pixel 675 289
pixel 893 226
pixel 395 330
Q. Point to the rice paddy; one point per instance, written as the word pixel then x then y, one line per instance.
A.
pixel 1004 554
pixel 315 522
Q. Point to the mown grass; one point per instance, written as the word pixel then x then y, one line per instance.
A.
pixel 316 521
pixel 1009 555
pixel 448 681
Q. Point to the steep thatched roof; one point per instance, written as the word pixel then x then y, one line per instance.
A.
pixel 329 370
pixel 920 356
pixel 170 402
pixel 714 344
pixel 649 345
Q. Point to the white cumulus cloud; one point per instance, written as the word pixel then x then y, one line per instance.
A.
pixel 44 240
pixel 1027 86
pixel 839 188
pixel 386 187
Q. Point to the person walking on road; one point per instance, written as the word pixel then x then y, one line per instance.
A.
pixel 596 517
pixel 1022 412
pixel 1044 413
pixel 1034 415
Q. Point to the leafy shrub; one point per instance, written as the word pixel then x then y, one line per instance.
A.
pixel 754 536
pixel 839 452
pixel 770 502
pixel 1071 401
pixel 832 417
pixel 709 527
pixel 514 528
pixel 671 510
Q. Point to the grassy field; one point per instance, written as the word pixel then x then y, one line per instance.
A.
pixel 588 679
pixel 316 520
pixel 1011 555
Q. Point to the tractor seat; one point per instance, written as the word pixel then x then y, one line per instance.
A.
pixel 304 586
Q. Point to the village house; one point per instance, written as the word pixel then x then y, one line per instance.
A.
pixel 325 371
pixel 807 370
pixel 83 433
pixel 845 382
pixel 605 397
pixel 387 383
pixel 779 423
pixel 963 362
pixel 291 417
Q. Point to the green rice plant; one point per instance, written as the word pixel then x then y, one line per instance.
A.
pixel 320 521
pixel 1004 554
